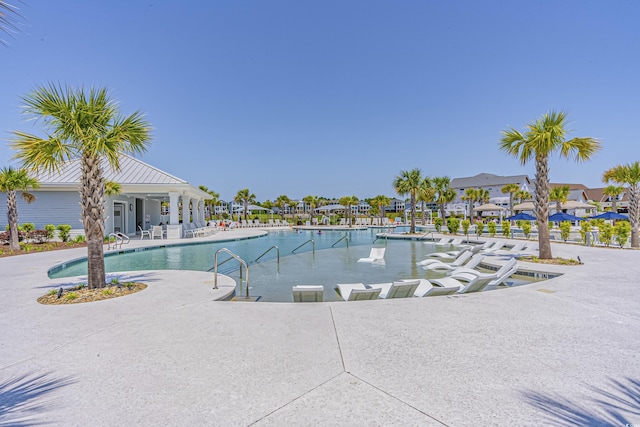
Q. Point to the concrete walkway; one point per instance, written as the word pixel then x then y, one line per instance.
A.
pixel 560 352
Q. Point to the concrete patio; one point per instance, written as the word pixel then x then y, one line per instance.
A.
pixel 559 352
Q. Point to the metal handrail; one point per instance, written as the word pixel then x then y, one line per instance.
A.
pixel 267 251
pixel 310 240
pixel 430 233
pixel 346 236
pixel 223 262
pixel 124 240
pixel 240 260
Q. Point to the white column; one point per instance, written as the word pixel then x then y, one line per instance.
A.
pixel 186 212
pixel 173 207
pixel 201 211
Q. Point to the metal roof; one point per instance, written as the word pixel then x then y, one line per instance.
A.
pixel 132 171
pixel 487 180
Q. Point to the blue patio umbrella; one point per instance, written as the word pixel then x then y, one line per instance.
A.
pixel 610 215
pixel 561 216
pixel 521 217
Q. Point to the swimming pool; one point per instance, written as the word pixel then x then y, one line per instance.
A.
pixel 272 280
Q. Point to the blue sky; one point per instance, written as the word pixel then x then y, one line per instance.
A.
pixel 335 98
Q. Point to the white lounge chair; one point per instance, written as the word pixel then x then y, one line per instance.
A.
pixel 443 287
pixel 495 247
pixel 448 266
pixel 495 279
pixel 443 241
pixel 473 262
pixel 357 291
pixel 376 255
pixel 515 249
pixel 443 256
pixel 308 293
pixel 401 289
pixel 475 285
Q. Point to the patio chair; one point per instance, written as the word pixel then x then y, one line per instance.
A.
pixel 439 265
pixel 144 233
pixel 308 293
pixel 157 232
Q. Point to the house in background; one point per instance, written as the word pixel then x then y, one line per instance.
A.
pixel 143 188
pixel 487 181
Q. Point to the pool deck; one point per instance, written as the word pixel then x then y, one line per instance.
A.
pixel 561 352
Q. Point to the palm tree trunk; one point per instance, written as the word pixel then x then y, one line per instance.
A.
pixel 92 203
pixel 542 206
pixel 471 202
pixel 444 219
pixel 12 217
pixel 634 214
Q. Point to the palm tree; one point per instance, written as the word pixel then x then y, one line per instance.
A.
pixel 8 16
pixel 544 137
pixel 347 202
pixel 444 194
pixel 212 201
pixel 379 202
pixel 470 196
pixel 613 191
pixel 245 197
pixel 426 194
pixel 521 195
pixel 628 174
pixel 91 128
pixel 510 189
pixel 281 202
pixel 409 182
pixel 12 180
pixel 312 201
pixel 559 195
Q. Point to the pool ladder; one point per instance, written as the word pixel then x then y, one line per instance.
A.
pixel 240 260
pixel 119 239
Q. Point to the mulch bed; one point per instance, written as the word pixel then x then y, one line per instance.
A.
pixel 80 294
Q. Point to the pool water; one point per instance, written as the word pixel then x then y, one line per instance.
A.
pixel 272 280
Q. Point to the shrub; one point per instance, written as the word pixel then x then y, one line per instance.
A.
pixel 50 229
pixel 28 227
pixel 492 228
pixel 453 224
pixel 63 232
pixel 585 228
pixel 438 223
pixel 622 231
pixel 605 231
pixel 506 229
pixel 71 296
pixel 526 228
pixel 479 228
pixel 466 224
pixel 565 230
pixel 80 238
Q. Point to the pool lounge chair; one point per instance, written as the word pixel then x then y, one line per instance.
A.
pixel 308 293
pixel 443 256
pixel 467 274
pixel 376 255
pixel 433 264
pixel 495 247
pixel 443 287
pixel 473 262
pixel 515 249
pixel 357 291
pixel 475 285
pixel 401 289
